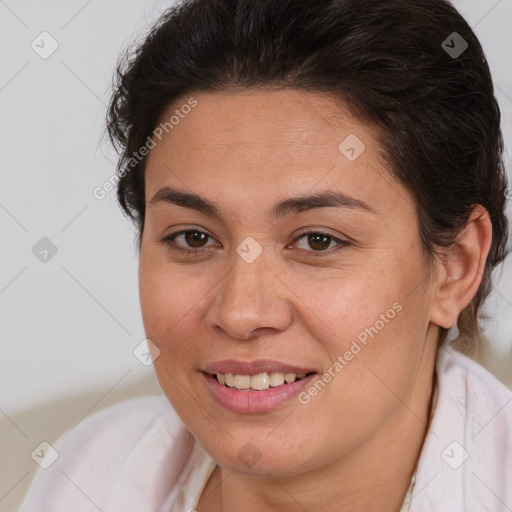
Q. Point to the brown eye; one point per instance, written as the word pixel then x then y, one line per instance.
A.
pixel 195 238
pixel 193 241
pixel 320 242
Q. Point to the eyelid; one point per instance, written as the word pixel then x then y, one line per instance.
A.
pixel 305 231
pixel 318 231
pixel 172 236
pixel 341 243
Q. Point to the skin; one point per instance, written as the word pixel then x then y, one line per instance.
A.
pixel 354 446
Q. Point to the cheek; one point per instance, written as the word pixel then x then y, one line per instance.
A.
pixel 336 305
pixel 340 305
pixel 169 296
pixel 170 302
pixel 332 308
pixel 374 318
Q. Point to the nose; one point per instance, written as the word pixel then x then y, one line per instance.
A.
pixel 251 301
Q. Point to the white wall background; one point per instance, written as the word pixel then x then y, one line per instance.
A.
pixel 70 325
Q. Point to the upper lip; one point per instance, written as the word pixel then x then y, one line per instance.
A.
pixel 239 367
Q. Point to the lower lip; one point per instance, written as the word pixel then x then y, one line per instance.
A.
pixel 255 401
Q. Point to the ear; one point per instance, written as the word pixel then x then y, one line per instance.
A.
pixel 460 273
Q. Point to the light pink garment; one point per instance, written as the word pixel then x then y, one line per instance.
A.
pixel 127 457
pixel 137 456
pixel 473 419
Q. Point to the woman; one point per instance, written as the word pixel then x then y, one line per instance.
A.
pixel 319 194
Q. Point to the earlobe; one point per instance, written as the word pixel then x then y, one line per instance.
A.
pixel 460 272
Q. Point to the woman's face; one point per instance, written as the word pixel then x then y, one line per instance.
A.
pixel 336 287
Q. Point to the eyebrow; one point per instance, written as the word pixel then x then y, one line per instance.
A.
pixel 281 209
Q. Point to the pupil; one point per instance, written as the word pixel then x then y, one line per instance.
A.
pixel 314 239
pixel 191 237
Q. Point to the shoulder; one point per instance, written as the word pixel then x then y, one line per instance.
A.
pixel 131 452
pixel 466 460
pixel 481 389
pixel 478 402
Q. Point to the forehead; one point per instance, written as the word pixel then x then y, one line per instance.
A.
pixel 291 121
pixel 249 142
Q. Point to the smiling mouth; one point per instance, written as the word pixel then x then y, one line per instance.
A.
pixel 258 382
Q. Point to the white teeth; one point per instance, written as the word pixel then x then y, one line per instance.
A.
pixel 258 382
pixel 242 381
pixel 276 379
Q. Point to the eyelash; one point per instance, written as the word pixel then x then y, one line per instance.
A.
pixel 170 238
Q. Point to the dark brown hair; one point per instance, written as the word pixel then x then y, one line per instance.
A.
pixel 402 66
